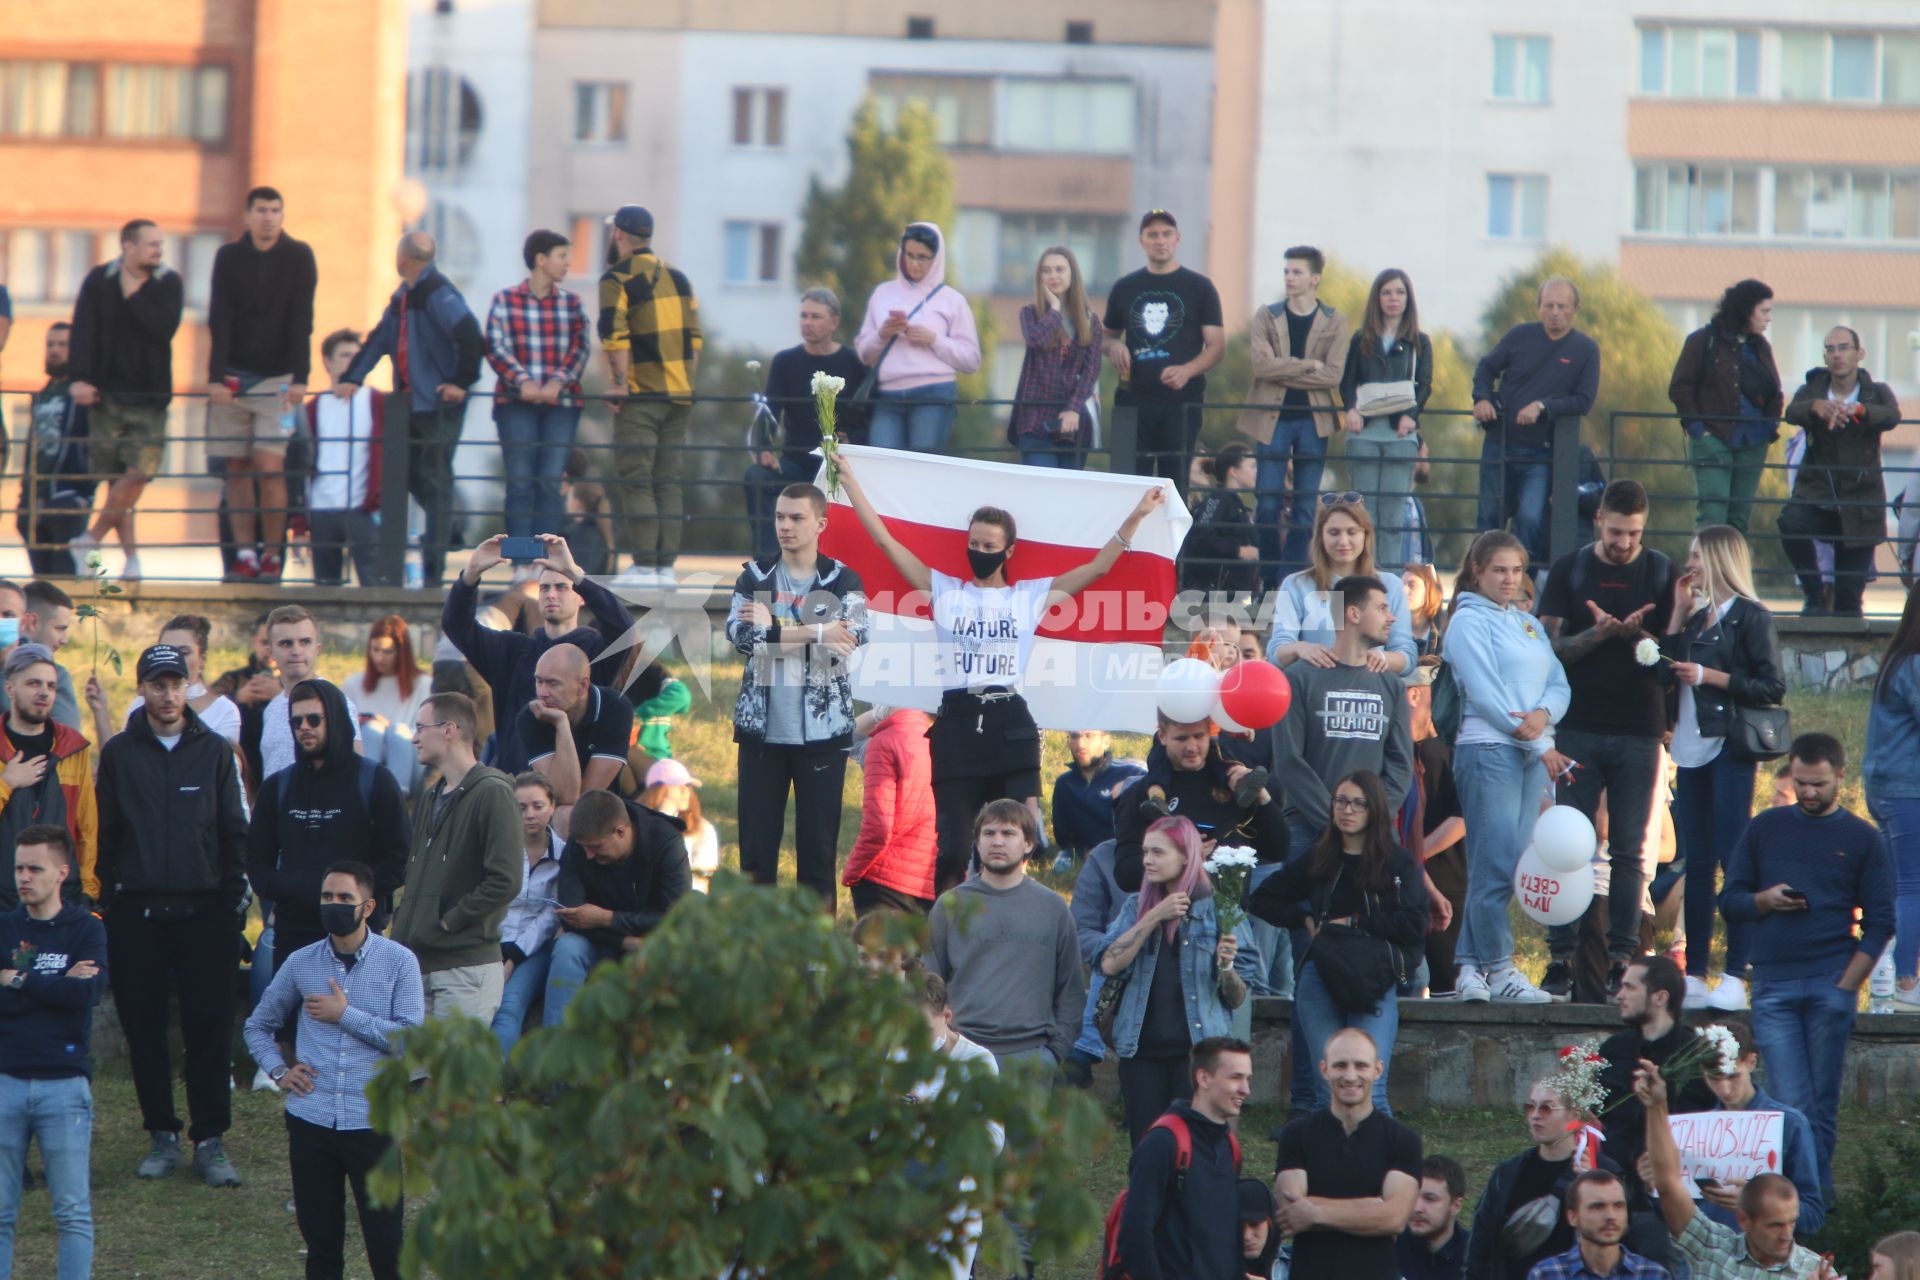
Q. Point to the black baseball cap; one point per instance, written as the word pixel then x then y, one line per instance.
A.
pixel 160 660
pixel 632 219
pixel 1152 216
pixel 1256 1201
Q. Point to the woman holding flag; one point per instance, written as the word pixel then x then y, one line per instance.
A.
pixel 985 744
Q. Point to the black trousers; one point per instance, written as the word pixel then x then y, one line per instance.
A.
pixel 815 777
pixel 325 1162
pixel 1161 435
pixel 869 897
pixel 1801 525
pixel 1627 769
pixel 195 956
pixel 982 751
pixel 1148 1086
pixel 433 436
pixel 57 528
pixel 1448 872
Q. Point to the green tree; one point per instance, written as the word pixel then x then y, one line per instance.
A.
pixel 851 234
pixel 727 1097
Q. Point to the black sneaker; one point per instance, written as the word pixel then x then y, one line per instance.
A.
pixel 1247 794
pixel 1559 981
pixel 1615 972
pixel 1154 807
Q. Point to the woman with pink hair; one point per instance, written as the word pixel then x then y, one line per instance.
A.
pixel 1184 980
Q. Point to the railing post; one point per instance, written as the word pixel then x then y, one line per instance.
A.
pixel 396 439
pixel 1563 537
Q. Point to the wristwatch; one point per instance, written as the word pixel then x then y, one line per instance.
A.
pixel 275 1074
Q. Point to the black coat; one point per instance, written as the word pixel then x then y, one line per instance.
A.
pixel 1203 796
pixel 1486 1252
pixel 1841 469
pixel 172 826
pixel 640 888
pixel 1209 558
pixel 1744 647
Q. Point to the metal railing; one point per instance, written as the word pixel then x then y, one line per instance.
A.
pixel 1648 446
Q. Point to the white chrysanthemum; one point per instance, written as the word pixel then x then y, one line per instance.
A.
pixel 95 560
pixel 1646 652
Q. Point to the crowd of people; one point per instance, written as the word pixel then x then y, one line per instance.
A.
pixel 309 466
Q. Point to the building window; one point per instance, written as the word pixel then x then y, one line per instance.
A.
pixel 589 234
pixel 1687 200
pixel 599 111
pixel 192 257
pixel 1900 69
pixel 753 252
pixel 919 28
pixel 1100 243
pixel 1853 69
pixel 1520 68
pixel 962 106
pixel 1079 33
pixel 1836 205
pixel 1516 206
pixel 1076 117
pixel 187 104
pixel 1700 62
pixel 443 121
pixel 458 238
pixel 759 117
pixel 49 100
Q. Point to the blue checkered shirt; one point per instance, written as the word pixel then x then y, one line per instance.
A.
pixel 1572 1266
pixel 384 997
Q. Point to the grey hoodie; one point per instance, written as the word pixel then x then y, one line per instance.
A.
pixel 1011 961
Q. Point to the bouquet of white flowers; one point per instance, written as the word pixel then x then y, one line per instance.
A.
pixel 1229 868
pixel 826 390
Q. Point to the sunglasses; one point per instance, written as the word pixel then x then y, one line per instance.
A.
pixel 312 720
pixel 1349 498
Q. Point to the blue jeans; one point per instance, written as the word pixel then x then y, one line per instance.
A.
pixel 528 981
pixel 1516 481
pixel 1500 790
pixel 1294 441
pixel 762 486
pixel 1059 457
pixel 58 1114
pixel 534 439
pixel 1900 822
pixel 1381 471
pixel 260 972
pixel 574 956
pixel 1802 1027
pixel 920 418
pixel 1711 805
pixel 1090 1045
pixel 1276 953
pixel 1319 1018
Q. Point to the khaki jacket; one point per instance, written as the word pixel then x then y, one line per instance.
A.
pixel 1275 372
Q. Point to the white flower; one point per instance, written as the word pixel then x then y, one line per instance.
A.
pixel 1646 652
pixel 1726 1050
pixel 1232 858
pixel 95 560
pixel 753 366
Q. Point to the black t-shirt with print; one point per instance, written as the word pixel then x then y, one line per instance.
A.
pixel 1611 692
pixel 1162 317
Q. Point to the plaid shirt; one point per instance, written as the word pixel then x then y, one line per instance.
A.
pixel 1572 1266
pixel 1715 1252
pixel 1052 377
pixel 647 310
pixel 532 339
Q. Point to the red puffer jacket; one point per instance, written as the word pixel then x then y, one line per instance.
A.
pixel 896 844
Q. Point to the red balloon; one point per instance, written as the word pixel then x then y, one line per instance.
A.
pixel 1255 694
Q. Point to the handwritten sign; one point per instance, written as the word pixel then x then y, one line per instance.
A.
pixel 1728 1146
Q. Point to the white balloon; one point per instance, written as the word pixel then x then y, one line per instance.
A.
pixel 1225 721
pixel 1188 690
pixel 1549 896
pixel 1565 839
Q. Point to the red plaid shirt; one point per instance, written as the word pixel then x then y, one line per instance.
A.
pixel 533 339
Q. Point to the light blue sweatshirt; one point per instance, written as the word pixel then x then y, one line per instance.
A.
pixel 1302 612
pixel 1890 766
pixel 1504 662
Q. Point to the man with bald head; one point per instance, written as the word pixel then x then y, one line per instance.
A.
pixel 435 345
pixel 1838 494
pixel 574 731
pixel 1538 372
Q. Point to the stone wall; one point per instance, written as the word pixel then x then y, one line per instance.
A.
pixel 1831 654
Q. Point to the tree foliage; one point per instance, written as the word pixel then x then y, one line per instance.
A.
pixel 727 1100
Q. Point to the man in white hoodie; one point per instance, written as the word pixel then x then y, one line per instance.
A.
pixel 345 489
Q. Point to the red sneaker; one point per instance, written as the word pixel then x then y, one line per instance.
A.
pixel 270 567
pixel 246 567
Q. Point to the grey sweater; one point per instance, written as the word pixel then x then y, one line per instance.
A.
pixel 1011 962
pixel 1342 719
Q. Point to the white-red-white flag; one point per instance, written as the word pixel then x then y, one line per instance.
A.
pixel 1097 656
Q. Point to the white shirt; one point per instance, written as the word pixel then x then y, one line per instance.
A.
pixel 342 450
pixel 221 715
pixel 276 734
pixel 985 634
pixel 1689 749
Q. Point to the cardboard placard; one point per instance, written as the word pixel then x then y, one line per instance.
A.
pixel 1728 1146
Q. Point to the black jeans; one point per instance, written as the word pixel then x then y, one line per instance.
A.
pixel 1623 766
pixel 1800 525
pixel 55 528
pixel 195 956
pixel 1148 1086
pixel 324 1162
pixel 816 777
pixel 1160 434
pixel 333 534
pixel 432 436
pixel 1447 870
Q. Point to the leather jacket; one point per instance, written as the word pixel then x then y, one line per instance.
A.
pixel 1743 645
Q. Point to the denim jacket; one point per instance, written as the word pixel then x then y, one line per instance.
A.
pixel 1199 974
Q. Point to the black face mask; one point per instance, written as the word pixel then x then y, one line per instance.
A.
pixel 985 563
pixel 340 918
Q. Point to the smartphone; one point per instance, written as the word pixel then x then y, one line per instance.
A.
pixel 522 550
pixel 1793 894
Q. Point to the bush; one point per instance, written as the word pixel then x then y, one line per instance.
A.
pixel 1883 1197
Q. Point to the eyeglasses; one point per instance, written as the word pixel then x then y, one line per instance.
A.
pixel 1540 1108
pixel 919 257
pixel 1350 802
pixel 1349 498
pixel 312 720
pixel 437 724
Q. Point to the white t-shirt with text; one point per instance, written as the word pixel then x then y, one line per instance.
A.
pixel 986 634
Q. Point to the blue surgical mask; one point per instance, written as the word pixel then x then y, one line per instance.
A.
pixel 9 631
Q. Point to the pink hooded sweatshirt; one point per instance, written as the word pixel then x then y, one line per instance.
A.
pixel 956 345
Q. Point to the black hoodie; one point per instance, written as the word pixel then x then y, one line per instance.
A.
pixel 305 819
pixel 173 829
pixel 1178 1225
pixel 640 888
pixel 47 1025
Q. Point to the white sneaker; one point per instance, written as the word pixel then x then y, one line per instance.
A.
pixel 130 571
pixel 1470 988
pixel 1510 986
pixel 1730 996
pixel 666 578
pixel 1906 999
pixel 262 1082
pixel 1698 995
pixel 639 575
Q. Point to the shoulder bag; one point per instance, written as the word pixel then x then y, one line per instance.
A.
pixel 1357 968
pixel 1389 399
pixel 869 389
